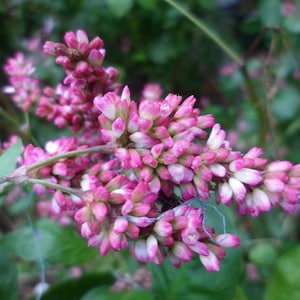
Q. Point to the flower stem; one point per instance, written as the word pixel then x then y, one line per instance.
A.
pixel 55 186
pixel 208 31
pixel 102 149
pixel 28 131
pixel 259 108
pixel 8 118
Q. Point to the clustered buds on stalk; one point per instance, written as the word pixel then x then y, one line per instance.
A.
pixel 158 147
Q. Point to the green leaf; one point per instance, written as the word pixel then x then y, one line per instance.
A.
pixel 192 281
pixel 263 254
pixel 119 8
pixel 8 276
pixel 270 12
pixel 106 294
pixel 74 289
pixel 286 104
pixel 8 159
pixel 58 244
pixel 284 282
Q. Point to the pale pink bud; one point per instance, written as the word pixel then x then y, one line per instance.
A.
pixel 225 193
pixel 135 158
pixel 238 189
pixel 208 157
pixel 107 104
pixel 190 236
pixel 291 194
pixel 120 225
pixel 149 160
pixel 146 174
pixel 218 170
pixel 187 190
pixel 142 140
pixel 157 149
pixel 149 110
pixel 173 101
pixel 180 223
pixel 99 211
pixel 180 147
pixel 117 241
pixel 253 153
pixel 182 251
pixel 210 262
pixel 183 111
pixel 145 125
pixel 152 247
pixel 60 169
pixel 133 122
pixel 181 210
pixel 274 185
pixel 140 250
pixel 163 228
pixel 177 172
pixel 127 206
pixel 197 162
pixel 216 137
pixel 96 43
pixel 141 221
pixel 160 132
pixel 141 209
pixel 261 200
pixel 295 171
pixel 200 248
pixel 205 121
pixel 186 135
pixel 236 165
pixel 227 240
pixel 248 176
pixel 95 57
pixel 82 215
pixel 104 246
pixel 85 230
pixel 133 231
pixel 187 122
pixel 279 166
pixel 118 127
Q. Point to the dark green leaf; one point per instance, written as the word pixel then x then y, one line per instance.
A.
pixel 8 159
pixel 8 276
pixel 192 281
pixel 270 12
pixel 119 8
pixel 263 254
pixel 58 244
pixel 286 104
pixel 105 294
pixel 284 282
pixel 74 289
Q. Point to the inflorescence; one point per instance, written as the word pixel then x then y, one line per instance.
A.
pixel 129 177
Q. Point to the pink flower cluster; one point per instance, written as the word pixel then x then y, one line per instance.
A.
pixel 24 87
pixel 159 147
pixel 71 102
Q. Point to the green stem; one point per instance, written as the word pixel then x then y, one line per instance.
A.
pixel 28 130
pixel 255 100
pixel 102 148
pixel 9 119
pixel 54 186
pixel 210 33
pixel 257 105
